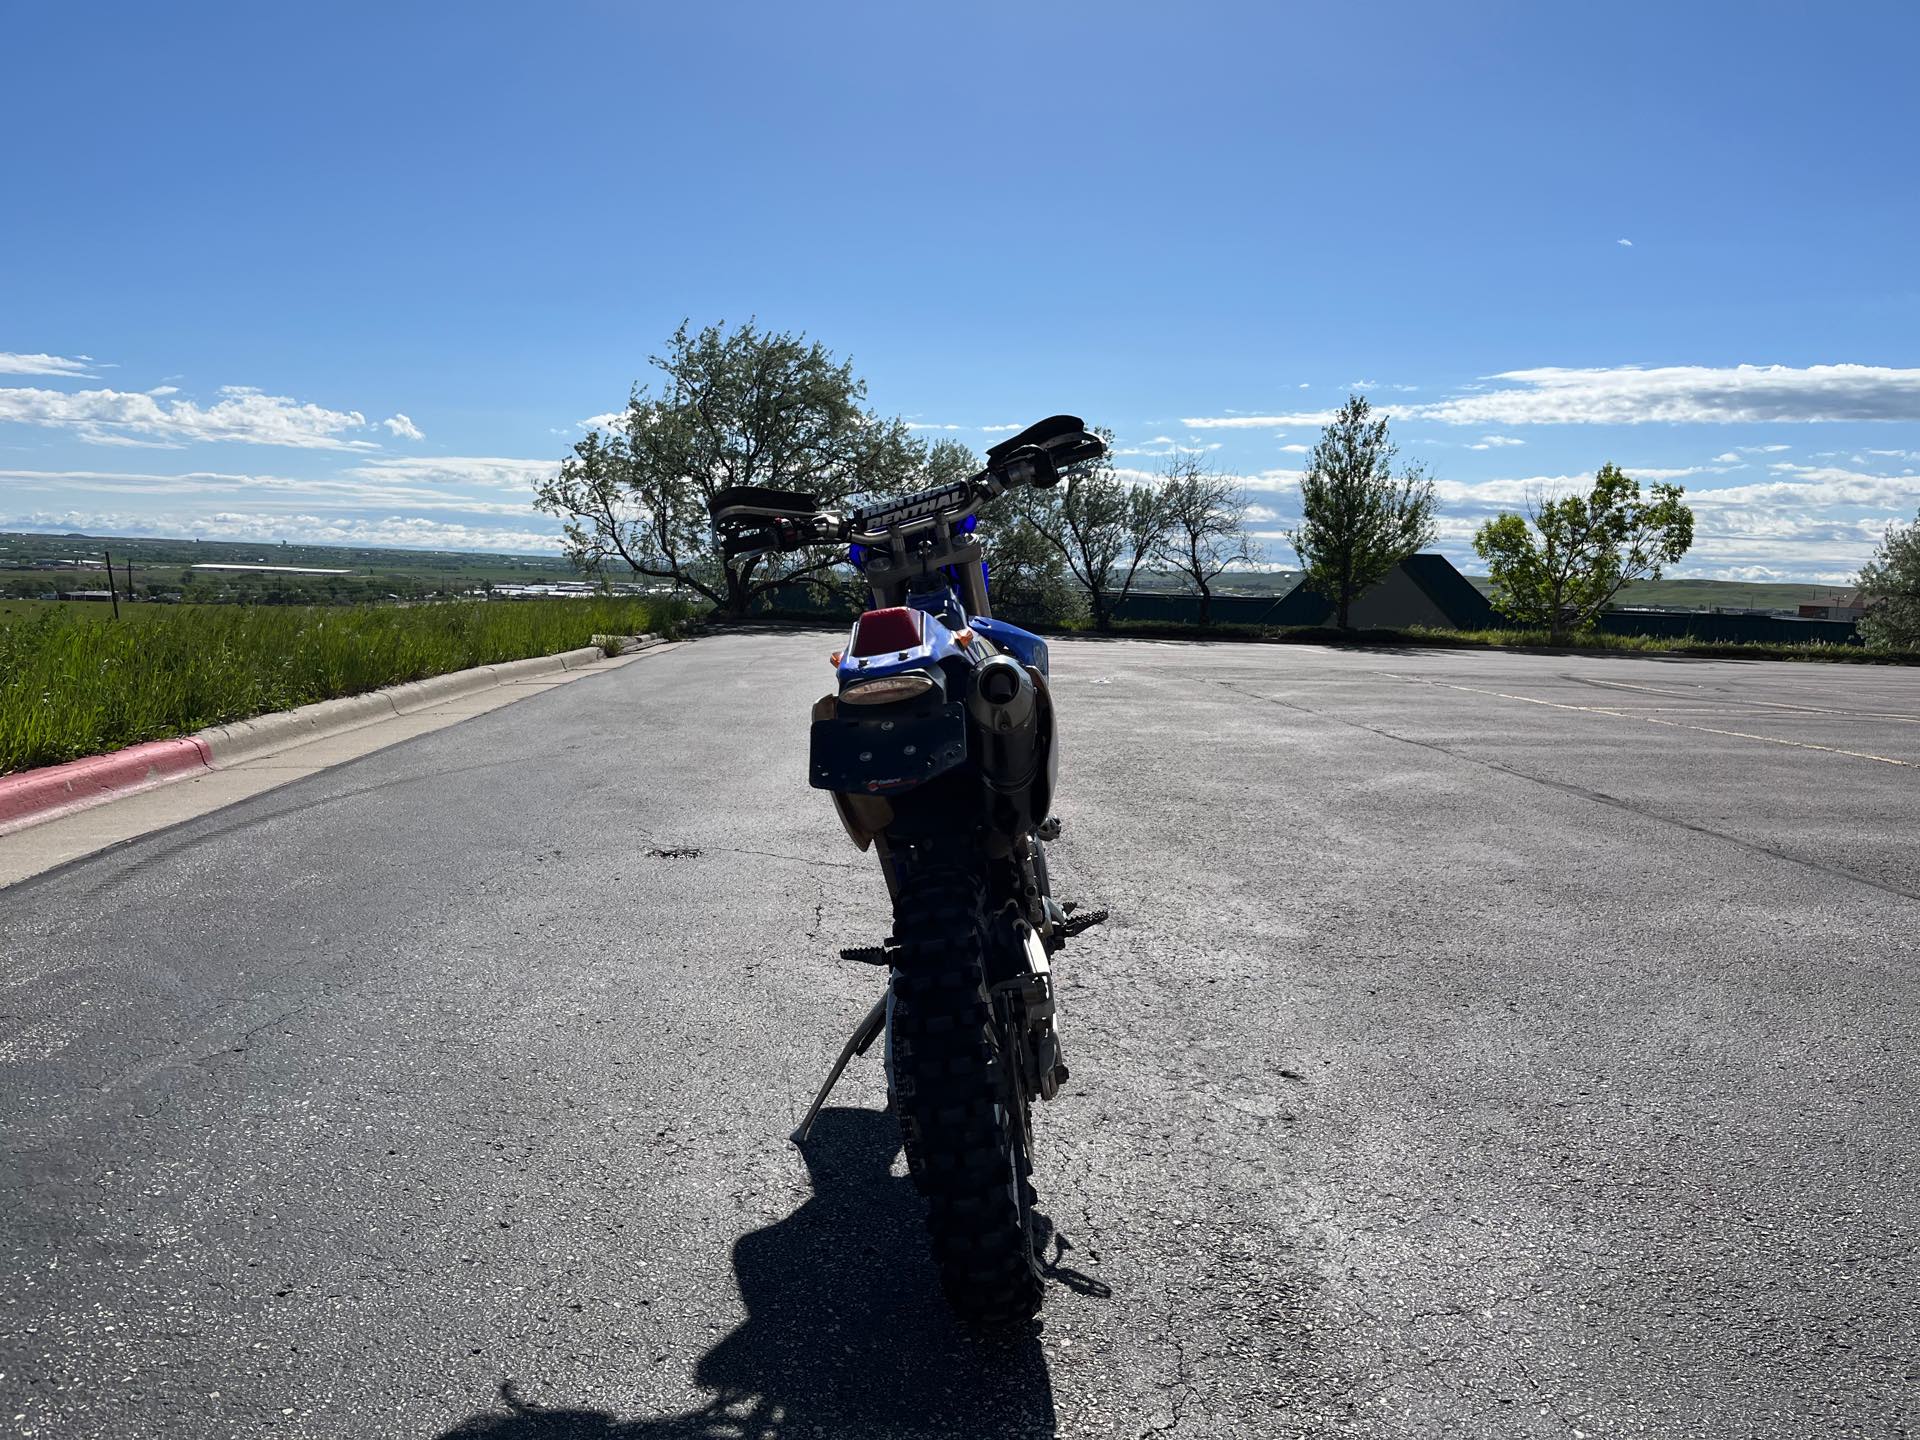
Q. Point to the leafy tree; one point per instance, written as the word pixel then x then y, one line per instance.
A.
pixel 1891 583
pixel 746 407
pixel 1102 527
pixel 1588 546
pixel 1205 531
pixel 1358 520
pixel 1026 573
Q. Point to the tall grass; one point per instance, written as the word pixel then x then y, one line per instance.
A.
pixel 73 686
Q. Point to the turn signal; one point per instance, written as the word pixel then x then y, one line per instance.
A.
pixel 834 658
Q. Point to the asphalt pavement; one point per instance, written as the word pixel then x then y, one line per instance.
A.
pixel 1482 1044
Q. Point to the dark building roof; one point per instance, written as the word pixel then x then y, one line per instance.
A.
pixel 1465 606
pixel 1455 596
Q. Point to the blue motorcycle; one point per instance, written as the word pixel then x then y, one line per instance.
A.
pixel 939 748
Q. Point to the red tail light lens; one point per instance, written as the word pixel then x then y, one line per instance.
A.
pixel 880 632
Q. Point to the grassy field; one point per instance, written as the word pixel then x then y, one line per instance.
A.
pixel 73 682
pixel 14 611
pixel 1671 594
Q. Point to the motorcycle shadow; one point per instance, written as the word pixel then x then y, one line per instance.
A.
pixel 846 1330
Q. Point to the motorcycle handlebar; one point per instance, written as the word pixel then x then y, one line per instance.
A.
pixel 761 523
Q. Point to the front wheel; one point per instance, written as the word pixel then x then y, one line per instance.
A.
pixel 962 1116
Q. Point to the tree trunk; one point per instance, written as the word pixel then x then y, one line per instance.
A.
pixel 1101 621
pixel 1206 604
pixel 738 595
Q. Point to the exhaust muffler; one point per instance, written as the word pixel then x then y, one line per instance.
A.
pixel 1002 705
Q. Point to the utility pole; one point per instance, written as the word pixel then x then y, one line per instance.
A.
pixel 112 594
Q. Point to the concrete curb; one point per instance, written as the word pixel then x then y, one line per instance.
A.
pixel 52 790
pixel 55 790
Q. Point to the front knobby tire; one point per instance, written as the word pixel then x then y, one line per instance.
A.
pixel 956 1103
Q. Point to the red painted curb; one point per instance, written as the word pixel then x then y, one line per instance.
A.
pixel 41 794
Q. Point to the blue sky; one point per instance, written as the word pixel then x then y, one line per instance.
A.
pixel 360 272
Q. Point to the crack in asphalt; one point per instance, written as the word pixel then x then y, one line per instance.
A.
pixel 1598 797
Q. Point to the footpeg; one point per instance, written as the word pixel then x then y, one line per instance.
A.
pixel 1049 828
pixel 868 955
pixel 1085 920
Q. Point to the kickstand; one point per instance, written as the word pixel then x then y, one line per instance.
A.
pixel 863 1036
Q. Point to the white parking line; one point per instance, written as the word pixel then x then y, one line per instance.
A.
pixel 1900 715
pixel 1654 720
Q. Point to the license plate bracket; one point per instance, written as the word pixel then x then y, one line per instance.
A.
pixel 888 751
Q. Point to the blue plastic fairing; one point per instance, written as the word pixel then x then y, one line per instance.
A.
pixel 1023 645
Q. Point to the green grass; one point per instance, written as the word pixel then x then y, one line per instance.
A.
pixel 74 683
pixel 16 610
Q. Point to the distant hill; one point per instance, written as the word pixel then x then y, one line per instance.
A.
pixel 1674 594
pixel 1706 594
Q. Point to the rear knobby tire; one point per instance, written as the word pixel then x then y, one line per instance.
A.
pixel 956 1104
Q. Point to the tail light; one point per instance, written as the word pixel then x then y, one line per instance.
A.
pixel 887 689
pixel 879 631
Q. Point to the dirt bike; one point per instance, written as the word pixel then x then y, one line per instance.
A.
pixel 939 748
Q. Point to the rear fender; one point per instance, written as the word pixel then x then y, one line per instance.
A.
pixel 862 816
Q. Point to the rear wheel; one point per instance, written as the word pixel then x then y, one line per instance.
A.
pixel 961 1111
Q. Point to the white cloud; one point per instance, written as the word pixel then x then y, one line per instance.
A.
pixel 1730 458
pixel 1258 422
pixel 1495 442
pixel 408 532
pixel 242 415
pixel 1269 481
pixel 401 426
pixel 1686 394
pixel 1001 429
pixel 1816 487
pixel 1295 448
pixel 484 470
pixel 16 364
pixel 1762 449
pixel 928 425
pixel 347 493
pixel 1627 243
pixel 1632 395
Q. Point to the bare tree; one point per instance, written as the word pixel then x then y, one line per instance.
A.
pixel 1205 532
pixel 1104 527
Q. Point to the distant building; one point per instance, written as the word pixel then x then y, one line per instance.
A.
pixel 1421 590
pixel 1847 605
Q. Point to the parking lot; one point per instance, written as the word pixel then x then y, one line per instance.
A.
pixel 1482 1044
